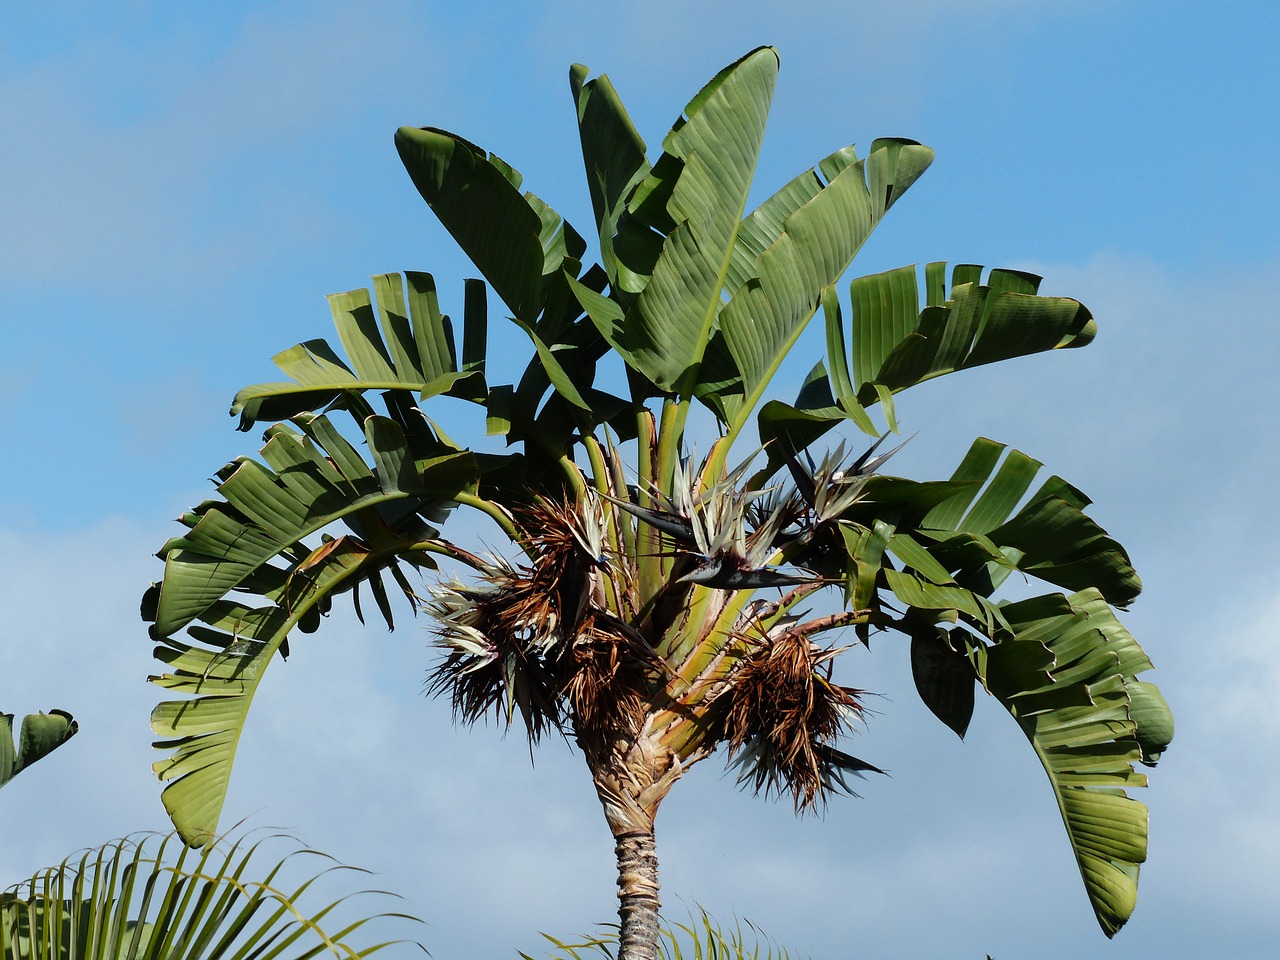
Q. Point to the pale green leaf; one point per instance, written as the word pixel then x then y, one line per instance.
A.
pixel 417 356
pixel 40 735
pixel 1074 699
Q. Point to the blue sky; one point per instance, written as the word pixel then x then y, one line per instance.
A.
pixel 181 188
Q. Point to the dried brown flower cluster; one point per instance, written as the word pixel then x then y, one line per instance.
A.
pixel 541 638
pixel 784 712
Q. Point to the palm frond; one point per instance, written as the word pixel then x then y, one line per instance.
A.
pixel 41 733
pixel 1068 676
pixel 701 937
pixel 151 897
pixel 262 563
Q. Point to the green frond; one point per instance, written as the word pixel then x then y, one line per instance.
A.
pixel 1068 676
pixel 41 734
pixel 260 564
pixel 702 937
pixel 150 897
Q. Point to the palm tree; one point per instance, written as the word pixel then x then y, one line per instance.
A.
pixel 654 607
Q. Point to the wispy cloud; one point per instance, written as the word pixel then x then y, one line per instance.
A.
pixel 134 159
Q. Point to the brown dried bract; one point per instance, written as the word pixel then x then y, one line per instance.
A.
pixel 784 712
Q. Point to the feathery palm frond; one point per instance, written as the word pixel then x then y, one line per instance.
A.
pixel 701 938
pixel 151 897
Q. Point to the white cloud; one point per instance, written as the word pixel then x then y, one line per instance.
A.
pixel 1228 734
pixel 137 159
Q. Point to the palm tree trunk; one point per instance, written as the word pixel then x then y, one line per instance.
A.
pixel 632 774
pixel 637 896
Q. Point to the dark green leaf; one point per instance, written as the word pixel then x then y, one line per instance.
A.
pixel 944 677
pixel 897 345
pixel 476 199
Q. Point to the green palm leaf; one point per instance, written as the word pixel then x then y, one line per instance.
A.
pixel 514 239
pixel 1063 666
pixel 714 148
pixel 41 734
pixel 897 344
pixel 152 898
pixel 957 541
pixel 1067 676
pixel 806 237
pixel 994 528
pixel 250 570
pixel 403 344
pixel 614 156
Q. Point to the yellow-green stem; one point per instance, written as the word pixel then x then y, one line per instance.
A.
pixel 622 522
pixel 678 645
pixel 446 549
pixel 670 432
pixel 600 476
pixel 599 472
pixel 496 513
pixel 648 540
pixel 574 475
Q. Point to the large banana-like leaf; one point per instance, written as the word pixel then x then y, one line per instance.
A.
pixel 251 569
pixel 1067 675
pixel 1063 666
pixel 896 344
pixel 713 150
pixel 892 166
pixel 514 239
pixel 153 898
pixel 806 237
pixel 1066 669
pixel 957 541
pixel 614 156
pixel 980 526
pixel 983 534
pixel 408 346
pixel 664 234
pixel 41 734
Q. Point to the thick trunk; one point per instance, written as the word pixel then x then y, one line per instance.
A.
pixel 631 778
pixel 637 896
